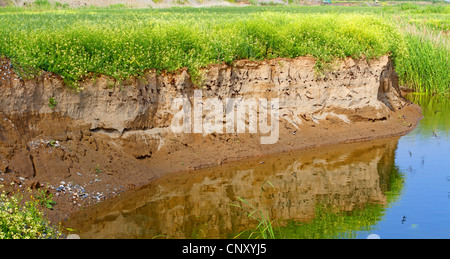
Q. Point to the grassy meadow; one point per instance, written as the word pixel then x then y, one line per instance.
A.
pixel 120 42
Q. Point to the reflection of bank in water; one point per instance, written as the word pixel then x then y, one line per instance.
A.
pixel 344 178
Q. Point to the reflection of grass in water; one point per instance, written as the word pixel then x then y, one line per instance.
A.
pixel 329 221
pixel 329 224
pixel 435 109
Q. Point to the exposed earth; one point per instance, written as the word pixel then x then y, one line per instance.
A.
pixel 82 148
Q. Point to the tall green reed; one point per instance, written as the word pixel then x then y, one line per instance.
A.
pixel 426 66
pixel 265 228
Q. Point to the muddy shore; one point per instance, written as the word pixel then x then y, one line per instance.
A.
pixel 115 136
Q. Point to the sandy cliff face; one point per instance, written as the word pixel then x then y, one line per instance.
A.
pixel 124 128
pixel 354 91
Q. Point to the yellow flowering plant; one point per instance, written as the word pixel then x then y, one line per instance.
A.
pixel 24 220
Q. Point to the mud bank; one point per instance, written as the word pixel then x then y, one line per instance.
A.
pixel 112 136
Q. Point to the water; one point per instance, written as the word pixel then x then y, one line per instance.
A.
pixel 423 157
pixel 394 188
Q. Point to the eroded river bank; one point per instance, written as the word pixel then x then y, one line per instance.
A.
pixel 113 136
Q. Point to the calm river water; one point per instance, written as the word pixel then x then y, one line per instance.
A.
pixel 394 188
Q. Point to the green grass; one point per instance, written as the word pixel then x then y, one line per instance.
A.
pixel 123 42
pixel 120 42
pixel 426 66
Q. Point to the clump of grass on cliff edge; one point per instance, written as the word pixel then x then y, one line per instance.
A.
pixel 77 43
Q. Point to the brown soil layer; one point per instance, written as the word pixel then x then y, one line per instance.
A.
pixel 112 137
